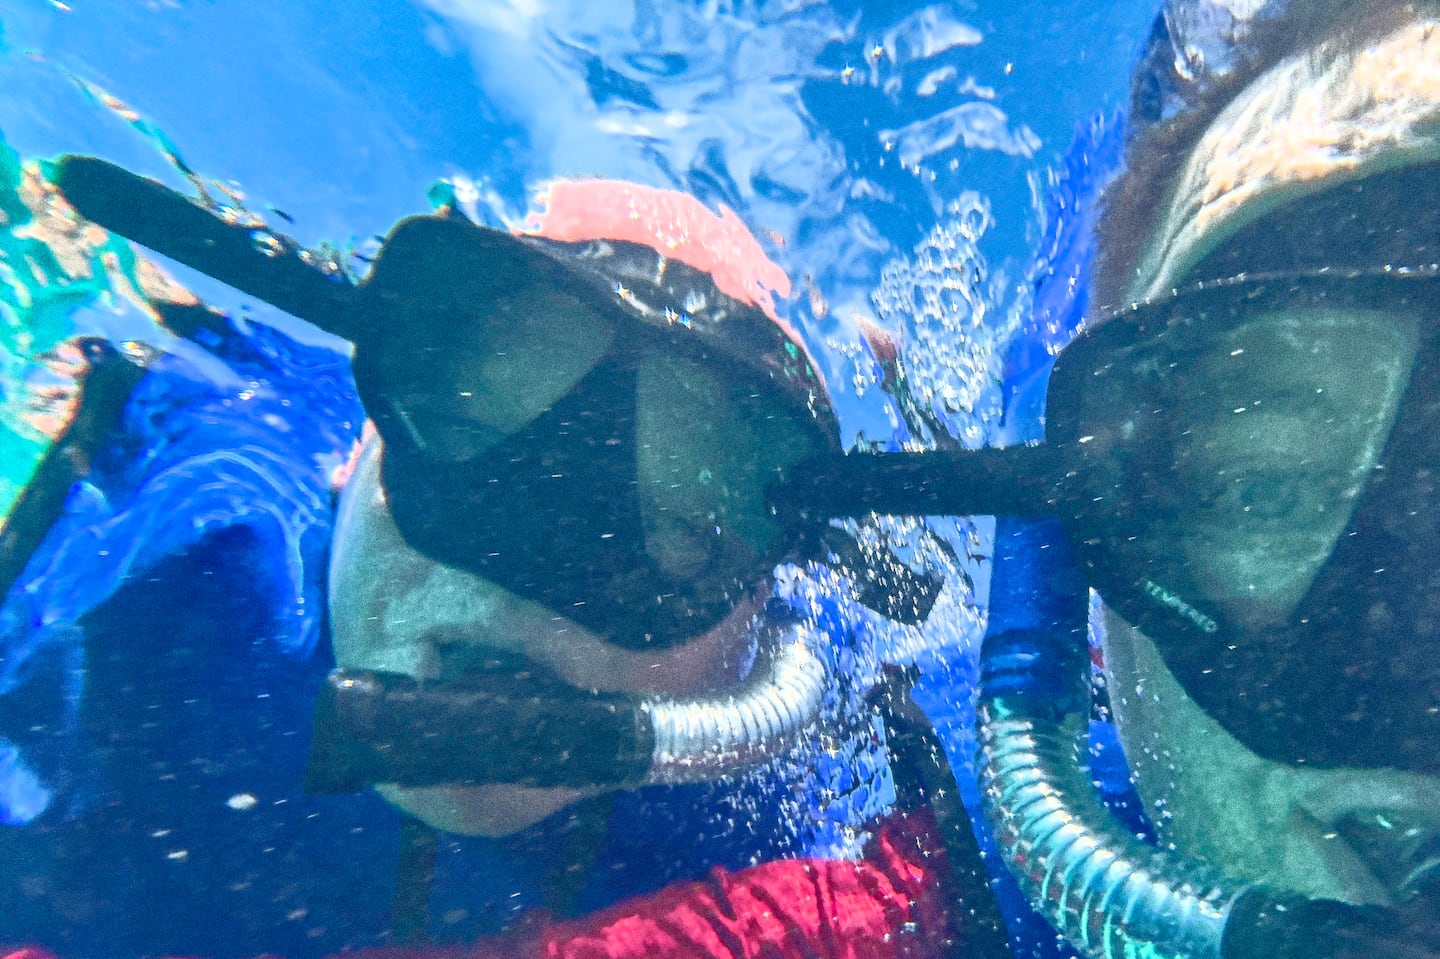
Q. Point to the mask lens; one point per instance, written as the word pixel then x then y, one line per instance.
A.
pixel 466 335
pixel 706 447
pixel 1225 449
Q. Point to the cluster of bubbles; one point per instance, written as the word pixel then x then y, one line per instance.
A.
pixel 953 326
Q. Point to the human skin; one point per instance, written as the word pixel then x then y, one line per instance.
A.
pixel 395 609
pixel 1249 817
pixel 1310 119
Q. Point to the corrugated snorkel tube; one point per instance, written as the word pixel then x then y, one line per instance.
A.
pixel 707 738
pixel 519 726
pixel 1107 892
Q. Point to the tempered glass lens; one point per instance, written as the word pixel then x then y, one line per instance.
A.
pixel 1275 452
pixel 509 359
pixel 1246 449
pixel 535 348
pixel 706 448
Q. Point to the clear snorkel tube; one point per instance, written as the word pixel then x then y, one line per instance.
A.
pixel 1107 892
pixel 706 738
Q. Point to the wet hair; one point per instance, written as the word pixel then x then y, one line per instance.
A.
pixel 1170 112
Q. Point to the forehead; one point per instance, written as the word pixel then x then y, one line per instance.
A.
pixel 1322 101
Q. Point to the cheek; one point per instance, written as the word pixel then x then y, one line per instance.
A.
pixel 705 663
pixel 1250 818
pixel 1203 790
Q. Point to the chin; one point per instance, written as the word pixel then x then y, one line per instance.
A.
pixel 489 811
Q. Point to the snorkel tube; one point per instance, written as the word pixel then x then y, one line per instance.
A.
pixel 500 727
pixel 1108 893
pixel 1104 890
pixel 702 739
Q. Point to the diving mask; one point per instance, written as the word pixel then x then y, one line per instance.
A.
pixel 1250 480
pixel 590 424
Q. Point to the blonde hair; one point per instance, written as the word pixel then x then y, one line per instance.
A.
pixel 1316 42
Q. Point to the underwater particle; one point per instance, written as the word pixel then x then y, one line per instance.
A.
pixel 819 307
pixel 441 195
pixel 23 795
pixel 241 802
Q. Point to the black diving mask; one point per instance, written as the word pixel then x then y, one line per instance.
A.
pixel 582 450
pixel 1252 475
pixel 1250 480
pixel 591 425
pixel 1247 472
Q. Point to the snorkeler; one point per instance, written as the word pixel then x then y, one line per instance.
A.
pixel 1248 482
pixel 1240 465
pixel 550 572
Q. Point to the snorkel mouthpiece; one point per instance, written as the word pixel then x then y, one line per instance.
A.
pixel 388 727
pixel 526 729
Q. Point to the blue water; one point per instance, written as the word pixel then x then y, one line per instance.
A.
pixel 924 167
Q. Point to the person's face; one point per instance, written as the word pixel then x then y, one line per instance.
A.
pixel 395 610
pixel 1283 419
pixel 1278 423
pixel 1272 471
pixel 1345 834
